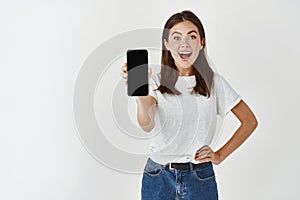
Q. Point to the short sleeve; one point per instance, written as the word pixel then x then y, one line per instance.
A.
pixel 227 97
pixel 152 86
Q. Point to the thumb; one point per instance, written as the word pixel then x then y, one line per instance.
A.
pixel 150 71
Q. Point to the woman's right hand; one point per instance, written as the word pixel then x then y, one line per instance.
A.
pixel 124 73
pixel 146 104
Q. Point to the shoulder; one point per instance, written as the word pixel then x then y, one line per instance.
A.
pixel 220 83
pixel 220 79
pixel 217 78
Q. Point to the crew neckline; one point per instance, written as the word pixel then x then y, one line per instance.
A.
pixel 192 76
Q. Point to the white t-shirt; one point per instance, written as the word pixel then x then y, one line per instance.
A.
pixel 186 122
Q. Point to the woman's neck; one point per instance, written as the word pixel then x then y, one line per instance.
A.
pixel 185 72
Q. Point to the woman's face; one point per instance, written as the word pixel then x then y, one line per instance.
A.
pixel 184 43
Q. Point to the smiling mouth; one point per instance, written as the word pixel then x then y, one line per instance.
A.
pixel 185 54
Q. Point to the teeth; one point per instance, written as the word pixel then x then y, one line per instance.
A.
pixel 185 52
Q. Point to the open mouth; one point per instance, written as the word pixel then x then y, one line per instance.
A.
pixel 185 54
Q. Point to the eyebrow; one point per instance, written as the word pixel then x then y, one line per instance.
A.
pixel 181 33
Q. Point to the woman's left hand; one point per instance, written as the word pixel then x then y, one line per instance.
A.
pixel 206 154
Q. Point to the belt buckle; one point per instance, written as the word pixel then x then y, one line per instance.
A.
pixel 170 167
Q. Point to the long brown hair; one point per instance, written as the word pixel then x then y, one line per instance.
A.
pixel 169 74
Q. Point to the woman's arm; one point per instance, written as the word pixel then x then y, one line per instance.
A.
pixel 146 107
pixel 248 125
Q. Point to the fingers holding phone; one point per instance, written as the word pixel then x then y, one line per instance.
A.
pixel 149 73
pixel 124 73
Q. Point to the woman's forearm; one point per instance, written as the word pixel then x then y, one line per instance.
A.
pixel 146 106
pixel 238 138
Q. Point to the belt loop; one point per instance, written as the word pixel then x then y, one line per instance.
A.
pixel 191 166
pixel 170 166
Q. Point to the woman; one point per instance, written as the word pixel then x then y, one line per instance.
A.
pixel 187 90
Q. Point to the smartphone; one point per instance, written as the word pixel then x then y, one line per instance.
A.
pixel 137 70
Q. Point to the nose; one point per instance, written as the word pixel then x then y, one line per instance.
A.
pixel 185 42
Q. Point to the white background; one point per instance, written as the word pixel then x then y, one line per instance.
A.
pixel 254 44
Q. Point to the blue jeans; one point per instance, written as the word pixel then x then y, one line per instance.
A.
pixel 161 183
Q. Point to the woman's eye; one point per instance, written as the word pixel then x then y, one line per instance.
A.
pixel 193 37
pixel 176 38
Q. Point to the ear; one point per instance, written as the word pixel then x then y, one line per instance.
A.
pixel 166 44
pixel 202 42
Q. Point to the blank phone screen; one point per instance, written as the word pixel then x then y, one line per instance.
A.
pixel 137 69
